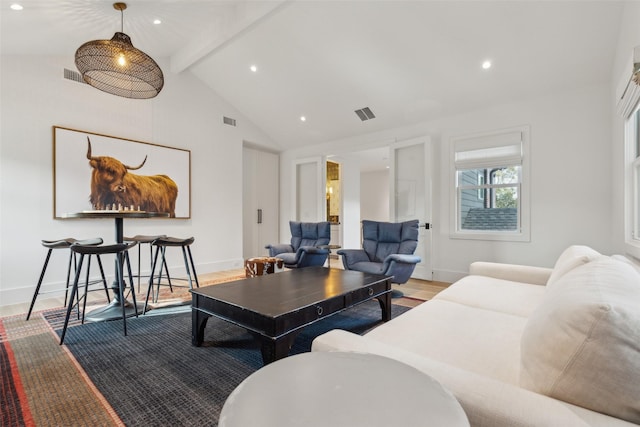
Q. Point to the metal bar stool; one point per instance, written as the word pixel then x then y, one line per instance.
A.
pixel 120 250
pixel 65 244
pixel 161 245
pixel 140 240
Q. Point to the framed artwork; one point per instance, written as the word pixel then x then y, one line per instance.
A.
pixel 100 172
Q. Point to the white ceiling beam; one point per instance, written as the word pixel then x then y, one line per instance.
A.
pixel 246 16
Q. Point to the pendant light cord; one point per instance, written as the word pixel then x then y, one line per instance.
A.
pixel 121 7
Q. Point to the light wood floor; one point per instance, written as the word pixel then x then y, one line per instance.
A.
pixel 414 289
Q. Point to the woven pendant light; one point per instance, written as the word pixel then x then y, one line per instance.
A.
pixel 115 66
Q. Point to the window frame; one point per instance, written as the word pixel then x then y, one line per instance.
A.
pixel 523 231
pixel 632 177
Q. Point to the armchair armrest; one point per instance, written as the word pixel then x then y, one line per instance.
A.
pixel 400 266
pixel 512 272
pixel 402 258
pixel 352 256
pixel 279 249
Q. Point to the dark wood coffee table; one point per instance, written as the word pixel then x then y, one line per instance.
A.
pixel 276 307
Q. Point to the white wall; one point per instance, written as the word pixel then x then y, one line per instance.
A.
pixel 186 114
pixel 374 195
pixel 571 176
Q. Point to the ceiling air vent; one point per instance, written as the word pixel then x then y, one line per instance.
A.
pixel 365 114
pixel 73 75
pixel 228 121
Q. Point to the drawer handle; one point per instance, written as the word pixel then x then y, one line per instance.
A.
pixel 319 310
pixel 370 291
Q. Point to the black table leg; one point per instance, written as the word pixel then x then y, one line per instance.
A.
pixel 278 348
pixel 198 323
pixel 385 305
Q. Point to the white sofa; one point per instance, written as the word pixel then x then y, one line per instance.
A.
pixel 526 346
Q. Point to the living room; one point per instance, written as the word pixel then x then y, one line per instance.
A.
pixel 572 130
pixel 578 185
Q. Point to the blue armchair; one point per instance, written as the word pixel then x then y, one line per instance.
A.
pixel 387 248
pixel 303 250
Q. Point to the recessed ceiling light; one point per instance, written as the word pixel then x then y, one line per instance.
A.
pixel 486 65
pixel 303 119
pixel 253 68
pixel 157 21
pixel 16 6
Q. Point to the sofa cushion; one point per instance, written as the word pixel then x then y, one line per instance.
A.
pixel 478 340
pixel 582 344
pixel 505 296
pixel 572 257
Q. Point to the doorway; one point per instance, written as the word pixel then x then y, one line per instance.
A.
pixel 393 184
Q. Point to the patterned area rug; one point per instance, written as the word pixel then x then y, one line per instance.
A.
pixel 154 376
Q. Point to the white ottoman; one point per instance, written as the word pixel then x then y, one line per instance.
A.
pixel 340 390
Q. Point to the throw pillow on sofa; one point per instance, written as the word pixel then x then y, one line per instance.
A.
pixel 582 343
pixel 572 257
pixel 633 263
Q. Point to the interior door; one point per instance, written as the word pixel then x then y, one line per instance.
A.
pixel 410 194
pixel 260 201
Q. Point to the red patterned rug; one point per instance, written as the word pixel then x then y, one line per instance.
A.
pixel 42 384
pixel 45 384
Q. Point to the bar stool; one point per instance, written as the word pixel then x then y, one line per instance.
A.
pixel 120 250
pixel 140 240
pixel 65 244
pixel 161 245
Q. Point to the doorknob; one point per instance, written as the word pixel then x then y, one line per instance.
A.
pixel 426 225
pixel 259 216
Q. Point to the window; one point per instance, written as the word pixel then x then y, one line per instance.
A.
pixel 629 108
pixel 491 194
pixel 632 181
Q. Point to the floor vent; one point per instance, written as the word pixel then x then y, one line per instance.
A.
pixel 365 114
pixel 73 75
pixel 228 121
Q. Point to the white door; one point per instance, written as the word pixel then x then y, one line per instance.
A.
pixel 410 194
pixel 260 201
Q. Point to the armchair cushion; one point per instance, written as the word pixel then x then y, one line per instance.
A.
pixel 309 233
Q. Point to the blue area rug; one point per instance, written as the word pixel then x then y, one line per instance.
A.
pixel 154 376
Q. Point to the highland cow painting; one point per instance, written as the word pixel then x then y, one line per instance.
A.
pixel 100 172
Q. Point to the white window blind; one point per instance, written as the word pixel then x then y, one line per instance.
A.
pixel 494 150
pixel 628 91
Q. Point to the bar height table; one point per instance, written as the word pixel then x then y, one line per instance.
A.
pixel 113 310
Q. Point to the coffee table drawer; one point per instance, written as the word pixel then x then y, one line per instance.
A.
pixel 365 293
pixel 310 314
pixel 327 307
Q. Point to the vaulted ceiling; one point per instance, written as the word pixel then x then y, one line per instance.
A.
pixel 408 61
